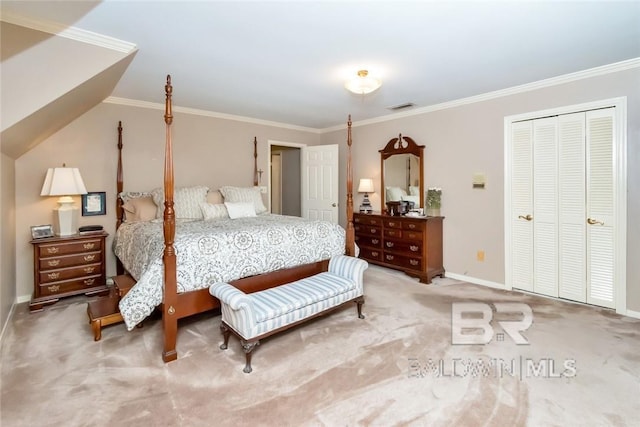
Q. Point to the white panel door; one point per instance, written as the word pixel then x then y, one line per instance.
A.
pixel 320 191
pixel 600 207
pixel 545 206
pixel 572 231
pixel 521 212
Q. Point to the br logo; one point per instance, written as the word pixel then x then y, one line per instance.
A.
pixel 471 322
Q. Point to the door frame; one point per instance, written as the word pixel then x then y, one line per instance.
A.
pixel 270 143
pixel 620 198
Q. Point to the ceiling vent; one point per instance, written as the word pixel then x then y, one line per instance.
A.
pixel 401 106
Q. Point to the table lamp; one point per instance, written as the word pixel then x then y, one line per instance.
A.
pixel 64 182
pixel 366 186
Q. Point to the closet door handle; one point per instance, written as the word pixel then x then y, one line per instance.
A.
pixel 592 221
pixel 528 217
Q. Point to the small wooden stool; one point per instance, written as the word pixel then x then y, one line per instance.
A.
pixel 104 311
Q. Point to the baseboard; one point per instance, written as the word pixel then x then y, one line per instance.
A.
pixel 23 298
pixel 474 280
pixel 6 323
pixel 634 314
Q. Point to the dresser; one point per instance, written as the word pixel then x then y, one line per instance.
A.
pixel 410 244
pixel 66 266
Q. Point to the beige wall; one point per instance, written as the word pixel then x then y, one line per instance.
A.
pixel 7 238
pixel 207 151
pixel 468 139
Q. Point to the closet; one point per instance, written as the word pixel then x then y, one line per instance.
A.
pixel 562 205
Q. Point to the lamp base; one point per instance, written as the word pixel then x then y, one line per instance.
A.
pixel 66 215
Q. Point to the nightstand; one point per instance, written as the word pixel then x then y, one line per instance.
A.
pixel 67 266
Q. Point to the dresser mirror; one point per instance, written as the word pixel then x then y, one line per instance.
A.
pixel 402 172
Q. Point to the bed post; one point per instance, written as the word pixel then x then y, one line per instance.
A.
pixel 119 188
pixel 350 244
pixel 255 161
pixel 170 294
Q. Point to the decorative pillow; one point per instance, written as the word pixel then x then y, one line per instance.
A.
pixel 186 201
pixel 394 194
pixel 240 209
pixel 244 194
pixel 140 209
pixel 214 211
pixel 214 197
pixel 129 195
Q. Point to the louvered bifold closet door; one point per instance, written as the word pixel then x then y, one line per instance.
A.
pixel 545 206
pixel 600 207
pixel 572 207
pixel 521 211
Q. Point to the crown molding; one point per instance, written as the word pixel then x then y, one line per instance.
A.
pixel 205 113
pixel 540 84
pixel 68 32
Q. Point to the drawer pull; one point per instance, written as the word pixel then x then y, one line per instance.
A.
pixel 356 220
pixel 89 257
pixel 414 262
pixel 89 245
pixel 391 233
pixel 53 275
pixel 390 257
pixel 375 241
pixel 392 224
pixel 374 253
pixel 88 269
pixel 53 288
pixel 373 231
pixel 414 248
pixel 412 226
pixel 414 236
pixel 389 244
pixel 373 222
pixel 53 262
pixel 53 250
pixel 89 282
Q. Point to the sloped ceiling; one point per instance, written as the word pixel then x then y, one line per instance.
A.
pixel 48 81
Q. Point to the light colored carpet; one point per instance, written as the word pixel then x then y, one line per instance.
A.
pixel 392 368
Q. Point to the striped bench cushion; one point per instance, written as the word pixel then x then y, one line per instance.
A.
pixel 281 300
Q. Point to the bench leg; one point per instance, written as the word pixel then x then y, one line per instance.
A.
pixel 97 329
pixel 226 332
pixel 359 302
pixel 248 349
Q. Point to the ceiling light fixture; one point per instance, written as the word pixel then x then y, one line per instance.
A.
pixel 363 84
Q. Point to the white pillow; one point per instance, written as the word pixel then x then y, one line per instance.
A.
pixel 244 194
pixel 214 211
pixel 186 201
pixel 414 199
pixel 240 209
pixel 394 194
pixel 414 190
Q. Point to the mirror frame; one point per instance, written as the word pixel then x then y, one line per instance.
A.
pixel 401 145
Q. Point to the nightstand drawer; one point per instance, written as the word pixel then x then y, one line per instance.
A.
pixel 69 260
pixel 70 285
pixel 70 273
pixel 65 248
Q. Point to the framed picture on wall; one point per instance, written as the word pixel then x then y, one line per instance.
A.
pixel 94 203
pixel 41 231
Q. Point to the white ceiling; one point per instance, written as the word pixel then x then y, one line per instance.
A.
pixel 287 62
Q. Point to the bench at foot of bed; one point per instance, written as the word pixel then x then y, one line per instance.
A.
pixel 254 316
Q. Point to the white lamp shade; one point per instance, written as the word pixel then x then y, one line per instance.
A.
pixel 366 185
pixel 363 84
pixel 63 182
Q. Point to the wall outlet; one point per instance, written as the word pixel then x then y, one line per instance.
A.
pixel 263 189
pixel 480 256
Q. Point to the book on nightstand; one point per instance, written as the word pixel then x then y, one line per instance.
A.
pixel 90 229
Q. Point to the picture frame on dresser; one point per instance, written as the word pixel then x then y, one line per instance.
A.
pixel 94 203
pixel 41 231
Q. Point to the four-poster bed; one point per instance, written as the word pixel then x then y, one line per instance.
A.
pixel 179 303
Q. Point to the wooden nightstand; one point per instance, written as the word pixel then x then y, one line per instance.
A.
pixel 66 266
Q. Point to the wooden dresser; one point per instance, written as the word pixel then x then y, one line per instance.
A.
pixel 413 245
pixel 66 266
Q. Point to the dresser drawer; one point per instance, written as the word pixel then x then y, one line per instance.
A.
pixel 408 247
pixel 413 225
pixel 65 248
pixel 413 263
pixel 69 260
pixel 70 285
pixel 70 273
pixel 368 230
pixel 395 233
pixel 373 241
pixel 367 220
pixel 371 254
pixel 392 222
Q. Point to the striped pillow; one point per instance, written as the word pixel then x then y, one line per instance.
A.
pixel 186 201
pixel 244 194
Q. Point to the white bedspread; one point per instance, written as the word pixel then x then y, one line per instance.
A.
pixel 217 251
